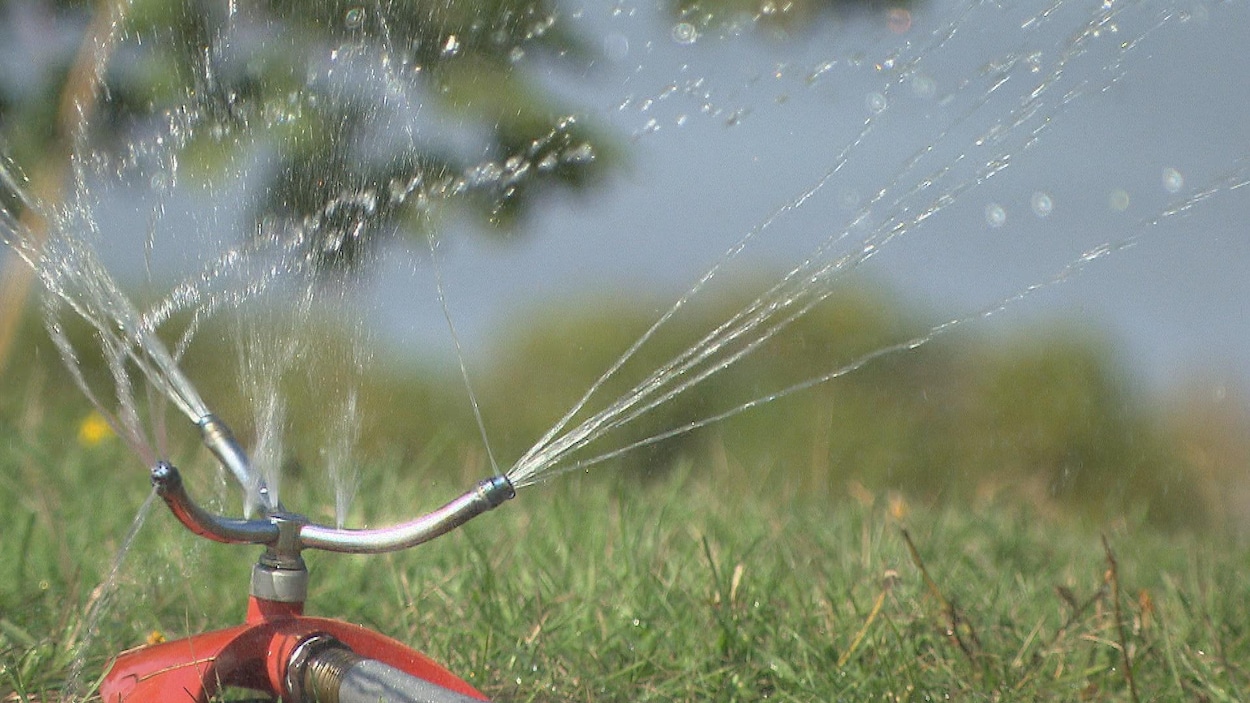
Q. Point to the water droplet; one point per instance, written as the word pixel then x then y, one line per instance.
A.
pixel 1042 204
pixel 876 103
pixel 451 47
pixel 1173 181
pixel 1034 62
pixel 995 215
pixel 355 18
pixel 583 153
pixel 652 126
pixel 616 46
pixel 1118 200
pixel 685 33
pixel 898 19
pixel 516 54
pixel 923 87
pixel 820 70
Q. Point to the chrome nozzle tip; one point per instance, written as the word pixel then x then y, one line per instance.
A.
pixel 164 476
pixel 497 489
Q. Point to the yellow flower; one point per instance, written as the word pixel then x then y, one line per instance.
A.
pixel 898 506
pixel 155 637
pixel 93 429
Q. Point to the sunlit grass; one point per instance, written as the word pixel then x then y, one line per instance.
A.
pixel 704 585
pixel 731 574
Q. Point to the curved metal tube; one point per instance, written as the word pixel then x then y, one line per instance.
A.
pixel 488 494
pixel 169 486
pixel 221 442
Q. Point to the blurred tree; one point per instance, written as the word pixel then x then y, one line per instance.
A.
pixel 322 90
pixel 38 124
pixel 364 118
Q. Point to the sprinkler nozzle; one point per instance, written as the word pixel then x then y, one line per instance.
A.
pixel 497 490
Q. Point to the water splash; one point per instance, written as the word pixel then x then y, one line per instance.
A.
pixel 988 118
pixel 1047 87
pixel 551 460
pixel 99 603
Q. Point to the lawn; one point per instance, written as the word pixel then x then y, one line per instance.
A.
pixel 712 582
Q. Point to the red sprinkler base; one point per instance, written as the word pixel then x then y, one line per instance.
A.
pixel 257 656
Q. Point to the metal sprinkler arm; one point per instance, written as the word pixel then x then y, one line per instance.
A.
pixel 168 483
pixel 221 442
pixel 488 494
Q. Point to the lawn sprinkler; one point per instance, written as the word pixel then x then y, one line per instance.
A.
pixel 278 651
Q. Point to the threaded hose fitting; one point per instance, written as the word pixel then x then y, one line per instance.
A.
pixel 316 669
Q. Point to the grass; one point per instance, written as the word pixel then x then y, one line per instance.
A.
pixel 726 578
pixel 715 584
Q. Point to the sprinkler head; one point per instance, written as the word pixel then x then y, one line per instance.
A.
pixel 280 575
pixel 285 535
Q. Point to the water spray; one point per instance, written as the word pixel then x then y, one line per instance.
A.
pixel 279 651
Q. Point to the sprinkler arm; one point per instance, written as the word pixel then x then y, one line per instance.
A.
pixel 221 442
pixel 168 483
pixel 486 495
